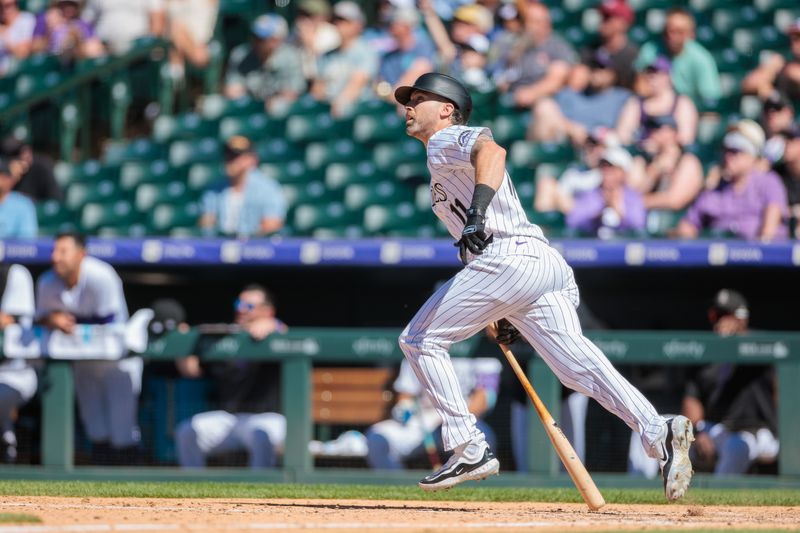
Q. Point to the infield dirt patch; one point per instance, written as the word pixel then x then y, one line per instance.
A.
pixel 155 515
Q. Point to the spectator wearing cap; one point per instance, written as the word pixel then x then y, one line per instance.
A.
pixel 572 114
pixel 313 34
pixel 120 22
pixel 16 26
pixel 463 51
pixel 33 171
pixel 748 202
pixel 17 212
pixel 668 176
pixel 657 97
pixel 612 207
pixel 537 63
pixel 412 55
pixel 777 115
pixel 60 30
pixel 613 51
pixel 579 177
pixel 694 72
pixel 732 407
pixel 251 204
pixel 346 74
pixel 266 68
pixel 777 73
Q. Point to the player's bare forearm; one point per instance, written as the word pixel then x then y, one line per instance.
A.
pixel 489 160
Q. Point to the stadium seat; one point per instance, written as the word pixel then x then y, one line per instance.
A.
pixel 509 128
pixel 143 149
pixel 529 154
pixel 381 219
pixel 308 218
pixel 370 129
pixel 278 149
pixel 309 193
pixel 358 196
pixel 88 171
pixel 711 40
pixel 52 214
pixel 291 172
pixel 725 19
pixel 412 172
pixel 305 105
pixel 321 154
pixel 317 127
pixel 135 230
pixel 204 175
pixel 119 213
pixel 150 194
pixel 207 150
pixel 769 6
pixel 186 126
pixel 255 127
pixel 339 175
pixel 217 107
pixel 159 171
pixel 28 84
pixel 388 156
pixel 163 218
pixel 80 194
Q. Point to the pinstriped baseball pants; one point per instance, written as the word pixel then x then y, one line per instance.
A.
pixel 536 292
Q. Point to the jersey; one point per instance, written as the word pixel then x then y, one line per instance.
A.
pixel 97 298
pixel 453 183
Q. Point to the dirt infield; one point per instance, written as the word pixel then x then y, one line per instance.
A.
pixel 154 515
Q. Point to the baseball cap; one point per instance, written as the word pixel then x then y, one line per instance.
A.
pixel 776 101
pixel 236 146
pixel 659 64
pixel 270 25
pixel 477 42
pixel 168 314
pixel 477 15
pixel 794 27
pixel 730 302
pixel 660 121
pixel 618 8
pixel 404 15
pixel 618 157
pixel 746 136
pixel 348 10
pixel 318 8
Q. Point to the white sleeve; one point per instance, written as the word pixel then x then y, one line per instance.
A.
pixel 109 296
pixel 407 381
pixel 453 146
pixel 18 296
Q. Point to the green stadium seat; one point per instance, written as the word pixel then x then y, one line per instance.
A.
pixel 381 219
pixel 644 5
pixel 640 35
pixel 88 171
pixel 339 175
pixel 351 232
pixel 29 84
pixel 525 191
pixel 660 222
pixel 255 127
pixel 711 40
pixel 305 105
pixel 136 230
pixel 422 197
pixel 80 194
pixel 770 6
pixel 509 128
pixel 39 64
pixel 370 129
pixel 150 194
pixel 203 175
pixel 317 127
pixel 484 105
pixel 376 107
pixel 309 193
pixel 134 173
pixel 416 171
pixel 119 213
pixel 143 149
pixel 307 218
pixel 550 221
pixel 186 126
pixel 278 150
pixel 217 107
pixel 207 150
pixel 529 154
pixel 53 213
pixel 291 172
pixel 579 38
pixel 321 154
pixel 163 218
pixel 388 156
pixel 726 19
pixel 710 130
pixel 359 196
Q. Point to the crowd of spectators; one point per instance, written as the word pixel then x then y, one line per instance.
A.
pixel 652 99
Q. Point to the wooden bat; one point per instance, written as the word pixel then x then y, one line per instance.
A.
pixel 580 476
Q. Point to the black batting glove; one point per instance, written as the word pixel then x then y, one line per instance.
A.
pixel 473 236
pixel 506 332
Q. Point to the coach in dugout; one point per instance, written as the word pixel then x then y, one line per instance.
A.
pixel 83 290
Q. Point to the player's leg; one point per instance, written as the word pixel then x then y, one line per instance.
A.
pixel 123 384
pixel 203 435
pixel 390 442
pixel 263 436
pixel 92 406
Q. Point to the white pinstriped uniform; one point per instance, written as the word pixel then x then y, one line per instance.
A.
pixel 520 277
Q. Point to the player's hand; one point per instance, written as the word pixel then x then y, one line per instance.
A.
pixel 62 321
pixel 704 446
pixel 473 237
pixel 506 333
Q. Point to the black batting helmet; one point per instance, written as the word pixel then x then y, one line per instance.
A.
pixel 442 85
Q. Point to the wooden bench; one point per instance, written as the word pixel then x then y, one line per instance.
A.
pixel 351 396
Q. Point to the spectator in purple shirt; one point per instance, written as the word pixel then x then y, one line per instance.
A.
pixel 60 30
pixel 748 202
pixel 612 207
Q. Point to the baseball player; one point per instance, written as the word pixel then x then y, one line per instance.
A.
pixel 511 275
pixel 85 290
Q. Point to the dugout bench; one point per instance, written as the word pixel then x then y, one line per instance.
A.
pixel 303 348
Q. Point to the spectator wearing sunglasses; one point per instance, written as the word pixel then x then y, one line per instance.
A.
pixel 747 202
pixel 247 395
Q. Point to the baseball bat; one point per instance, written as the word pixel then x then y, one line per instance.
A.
pixel 580 476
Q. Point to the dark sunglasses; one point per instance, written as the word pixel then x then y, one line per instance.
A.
pixel 243 307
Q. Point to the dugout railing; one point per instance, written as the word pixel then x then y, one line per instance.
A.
pixel 302 348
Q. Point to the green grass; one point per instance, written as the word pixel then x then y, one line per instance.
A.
pixel 380 492
pixel 18 518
